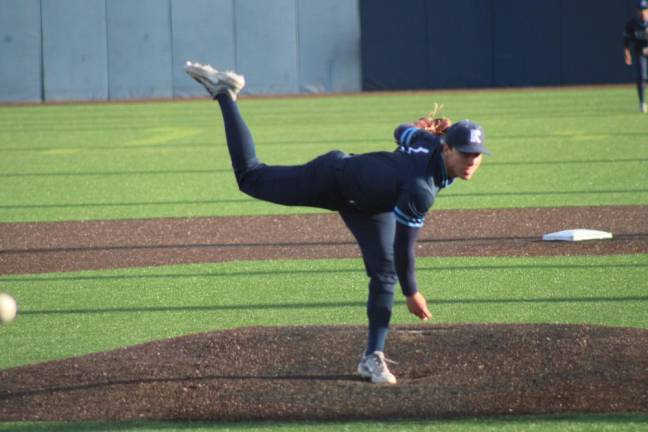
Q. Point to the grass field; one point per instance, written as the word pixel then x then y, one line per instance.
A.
pixel 551 148
pixel 68 314
pixel 567 147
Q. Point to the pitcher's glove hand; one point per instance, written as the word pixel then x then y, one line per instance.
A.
pixel 436 126
pixel 433 122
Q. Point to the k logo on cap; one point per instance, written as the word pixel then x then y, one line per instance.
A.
pixel 467 137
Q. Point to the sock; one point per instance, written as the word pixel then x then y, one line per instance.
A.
pixel 379 309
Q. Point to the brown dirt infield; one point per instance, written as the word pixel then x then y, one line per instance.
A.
pixel 307 372
pixel 71 246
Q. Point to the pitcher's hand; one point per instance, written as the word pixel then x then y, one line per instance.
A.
pixel 418 306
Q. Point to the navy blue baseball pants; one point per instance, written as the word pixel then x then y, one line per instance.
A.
pixel 316 184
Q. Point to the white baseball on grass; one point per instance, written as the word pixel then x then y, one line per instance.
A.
pixel 8 308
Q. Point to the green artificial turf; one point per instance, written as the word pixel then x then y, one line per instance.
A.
pixel 554 147
pixel 68 314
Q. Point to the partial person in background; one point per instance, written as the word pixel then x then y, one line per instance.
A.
pixel 635 41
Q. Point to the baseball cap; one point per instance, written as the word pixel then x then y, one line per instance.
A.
pixel 643 4
pixel 467 137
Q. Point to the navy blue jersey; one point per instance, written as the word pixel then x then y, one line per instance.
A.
pixel 635 36
pixel 405 181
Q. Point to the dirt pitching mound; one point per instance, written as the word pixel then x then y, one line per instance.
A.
pixel 307 373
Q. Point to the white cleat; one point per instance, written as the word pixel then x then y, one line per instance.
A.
pixel 374 367
pixel 214 81
pixel 643 107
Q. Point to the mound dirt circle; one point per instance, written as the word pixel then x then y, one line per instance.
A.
pixel 308 373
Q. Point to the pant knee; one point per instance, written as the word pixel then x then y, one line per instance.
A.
pixel 382 286
pixel 249 180
pixel 384 282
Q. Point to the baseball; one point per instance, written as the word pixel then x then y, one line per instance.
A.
pixel 8 308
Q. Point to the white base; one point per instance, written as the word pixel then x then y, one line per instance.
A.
pixel 577 235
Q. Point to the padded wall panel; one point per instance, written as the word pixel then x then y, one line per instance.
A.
pixel 592 50
pixel 75 55
pixel 527 41
pixel 266 45
pixel 394 44
pixel 139 49
pixel 329 46
pixel 459 43
pixel 482 43
pixel 20 51
pixel 203 31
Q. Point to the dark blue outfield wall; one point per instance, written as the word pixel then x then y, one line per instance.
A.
pixel 423 44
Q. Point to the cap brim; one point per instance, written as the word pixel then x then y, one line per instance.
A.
pixel 474 149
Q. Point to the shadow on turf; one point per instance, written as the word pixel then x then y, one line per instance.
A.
pixel 229 170
pixel 116 173
pixel 597 421
pixel 331 305
pixel 304 142
pixel 132 204
pixel 359 270
pixel 251 200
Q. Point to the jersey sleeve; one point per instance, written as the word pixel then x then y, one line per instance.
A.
pixel 404 134
pixel 411 139
pixel 410 212
pixel 405 258
pixel 413 203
